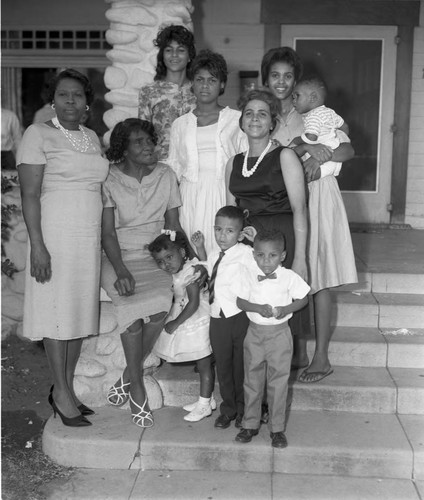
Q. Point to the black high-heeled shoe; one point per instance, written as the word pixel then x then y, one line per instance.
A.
pixel 85 410
pixel 79 421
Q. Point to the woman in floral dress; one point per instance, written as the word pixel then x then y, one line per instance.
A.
pixel 169 96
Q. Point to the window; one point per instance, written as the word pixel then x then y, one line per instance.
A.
pixel 66 39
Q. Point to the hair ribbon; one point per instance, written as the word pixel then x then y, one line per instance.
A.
pixel 170 233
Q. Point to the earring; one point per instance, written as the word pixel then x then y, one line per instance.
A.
pixel 52 105
pixel 87 107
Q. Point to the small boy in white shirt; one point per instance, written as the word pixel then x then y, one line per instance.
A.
pixel 228 323
pixel 320 122
pixel 270 295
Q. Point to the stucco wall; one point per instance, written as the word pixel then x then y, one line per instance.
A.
pixel 233 29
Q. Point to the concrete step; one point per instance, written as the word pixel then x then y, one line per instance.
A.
pixel 349 389
pixel 397 348
pixel 377 310
pixel 325 443
pixel 387 283
pixel 217 485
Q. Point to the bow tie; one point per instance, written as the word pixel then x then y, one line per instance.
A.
pixel 271 276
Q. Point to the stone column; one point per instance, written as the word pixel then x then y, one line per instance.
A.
pixel 133 27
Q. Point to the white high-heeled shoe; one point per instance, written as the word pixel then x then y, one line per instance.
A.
pixel 143 418
pixel 120 391
pixel 192 406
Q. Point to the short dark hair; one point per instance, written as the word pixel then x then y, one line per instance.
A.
pixel 231 212
pixel 213 62
pixel 271 235
pixel 164 242
pixel 281 54
pixel 315 82
pixel 264 95
pixel 165 36
pixel 120 136
pixel 72 74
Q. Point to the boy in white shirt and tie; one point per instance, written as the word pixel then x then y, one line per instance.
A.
pixel 269 294
pixel 228 324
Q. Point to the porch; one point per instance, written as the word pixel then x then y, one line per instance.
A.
pixel 357 434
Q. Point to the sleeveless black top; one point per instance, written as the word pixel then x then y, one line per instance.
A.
pixel 263 193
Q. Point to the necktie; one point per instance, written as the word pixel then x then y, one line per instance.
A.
pixel 213 278
pixel 271 276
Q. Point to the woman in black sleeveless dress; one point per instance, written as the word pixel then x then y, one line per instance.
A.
pixel 268 181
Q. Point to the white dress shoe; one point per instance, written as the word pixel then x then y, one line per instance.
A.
pixel 192 406
pixel 199 412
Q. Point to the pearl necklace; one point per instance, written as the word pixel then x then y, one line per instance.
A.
pixel 82 145
pixel 245 171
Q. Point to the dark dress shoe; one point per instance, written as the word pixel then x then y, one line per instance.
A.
pixel 278 440
pixel 245 435
pixel 223 422
pixel 237 423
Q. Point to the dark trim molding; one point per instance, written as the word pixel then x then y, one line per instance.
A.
pixel 366 12
pixel 401 122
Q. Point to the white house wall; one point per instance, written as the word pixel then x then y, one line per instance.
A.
pixel 414 213
pixel 233 28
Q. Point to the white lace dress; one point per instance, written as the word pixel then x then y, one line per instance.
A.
pixel 191 340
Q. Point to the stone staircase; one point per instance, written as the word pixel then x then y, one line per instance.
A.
pixel 366 420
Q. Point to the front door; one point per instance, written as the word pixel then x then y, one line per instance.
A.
pixel 358 63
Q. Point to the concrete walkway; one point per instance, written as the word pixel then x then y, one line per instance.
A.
pixel 91 484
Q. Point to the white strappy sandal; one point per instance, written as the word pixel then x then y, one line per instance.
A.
pixel 120 391
pixel 143 418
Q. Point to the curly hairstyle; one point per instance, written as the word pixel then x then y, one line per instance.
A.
pixel 281 54
pixel 71 74
pixel 164 242
pixel 120 137
pixel 169 34
pixel 264 95
pixel 271 235
pixel 213 62
pixel 231 212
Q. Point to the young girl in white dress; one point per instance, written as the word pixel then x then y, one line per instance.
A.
pixel 186 333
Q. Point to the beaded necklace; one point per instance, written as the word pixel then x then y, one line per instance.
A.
pixel 82 145
pixel 245 171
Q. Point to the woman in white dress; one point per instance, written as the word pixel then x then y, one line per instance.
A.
pixel 201 143
pixel 332 261
pixel 61 171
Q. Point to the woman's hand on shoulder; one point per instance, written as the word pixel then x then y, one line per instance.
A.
pixel 200 275
pixel 125 284
pixel 40 263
